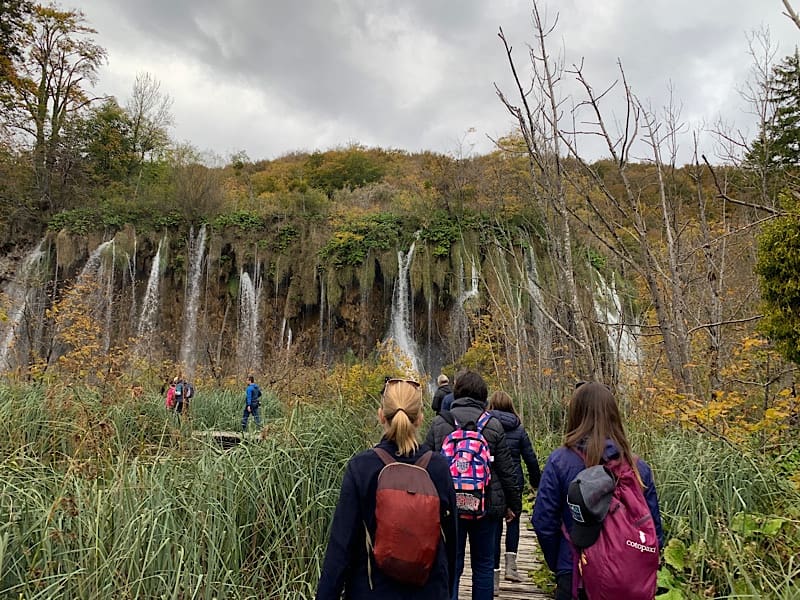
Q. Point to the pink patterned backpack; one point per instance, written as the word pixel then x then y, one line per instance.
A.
pixel 468 453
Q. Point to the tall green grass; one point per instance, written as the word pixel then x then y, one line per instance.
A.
pixel 116 511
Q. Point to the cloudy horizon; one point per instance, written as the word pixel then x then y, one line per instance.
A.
pixel 274 78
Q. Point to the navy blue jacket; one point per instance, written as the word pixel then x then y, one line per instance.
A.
pixel 521 449
pixel 345 566
pixel 550 509
pixel 447 402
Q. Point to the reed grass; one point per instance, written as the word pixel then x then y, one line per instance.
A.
pixel 120 513
pixel 114 498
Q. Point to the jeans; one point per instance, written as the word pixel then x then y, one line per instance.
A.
pixel 481 533
pixel 512 538
pixel 246 416
pixel 564 588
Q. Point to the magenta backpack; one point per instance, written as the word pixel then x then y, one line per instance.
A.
pixel 468 453
pixel 623 560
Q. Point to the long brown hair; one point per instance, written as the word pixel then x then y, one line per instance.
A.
pixel 401 404
pixel 593 418
pixel 501 400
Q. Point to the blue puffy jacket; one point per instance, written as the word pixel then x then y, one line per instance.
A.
pixel 521 448
pixel 550 509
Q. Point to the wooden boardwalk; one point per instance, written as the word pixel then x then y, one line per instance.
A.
pixel 526 562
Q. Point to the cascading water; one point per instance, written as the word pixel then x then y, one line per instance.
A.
pixel 148 319
pixel 192 302
pixel 400 326
pixel 92 266
pixel 621 337
pixel 459 323
pixel 109 299
pixel 19 293
pixel 534 289
pixel 247 353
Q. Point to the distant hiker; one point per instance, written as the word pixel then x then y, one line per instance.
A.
pixel 447 402
pixel 593 470
pixel 502 406
pixel 170 400
pixel 462 432
pixel 384 541
pixel 444 388
pixel 252 403
pixel 183 398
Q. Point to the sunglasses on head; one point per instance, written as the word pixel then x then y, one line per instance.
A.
pixel 391 380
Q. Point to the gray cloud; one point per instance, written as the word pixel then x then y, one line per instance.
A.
pixel 273 77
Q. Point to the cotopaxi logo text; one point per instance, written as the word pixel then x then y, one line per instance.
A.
pixel 640 547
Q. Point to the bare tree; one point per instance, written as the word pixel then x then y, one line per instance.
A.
pixel 538 118
pixel 150 112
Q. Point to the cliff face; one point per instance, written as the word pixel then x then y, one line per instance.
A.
pixel 231 301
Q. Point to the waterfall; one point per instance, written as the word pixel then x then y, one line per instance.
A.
pixel 150 304
pixel 109 300
pixel 196 254
pixel 92 265
pixel 472 292
pixel 247 353
pixel 534 289
pixel 19 294
pixel 608 308
pixel 400 327
pixel 459 323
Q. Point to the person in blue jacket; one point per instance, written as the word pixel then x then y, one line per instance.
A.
pixel 348 566
pixel 252 403
pixel 594 428
pixel 501 406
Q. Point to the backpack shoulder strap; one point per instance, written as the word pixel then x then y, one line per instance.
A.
pixel 424 460
pixel 484 419
pixel 384 455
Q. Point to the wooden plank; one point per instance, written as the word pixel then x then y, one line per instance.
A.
pixel 526 562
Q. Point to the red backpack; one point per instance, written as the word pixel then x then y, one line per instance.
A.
pixel 623 562
pixel 407 530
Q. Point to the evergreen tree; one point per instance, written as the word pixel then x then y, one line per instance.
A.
pixel 778 144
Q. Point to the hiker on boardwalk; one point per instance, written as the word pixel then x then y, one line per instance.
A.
pixel 595 436
pixel 363 512
pixel 502 406
pixel 502 498
pixel 443 383
pixel 252 403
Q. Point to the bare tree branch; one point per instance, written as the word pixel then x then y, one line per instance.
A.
pixel 727 198
pixel 791 13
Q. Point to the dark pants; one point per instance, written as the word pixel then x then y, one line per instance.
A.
pixel 481 533
pixel 246 415
pixel 512 538
pixel 564 588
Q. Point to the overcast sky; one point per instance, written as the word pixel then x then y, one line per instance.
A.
pixel 271 77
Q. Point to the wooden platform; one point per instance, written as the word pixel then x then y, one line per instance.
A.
pixel 526 562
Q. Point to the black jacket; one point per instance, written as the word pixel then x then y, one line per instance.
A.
pixel 521 448
pixel 345 566
pixel 439 395
pixel 503 491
